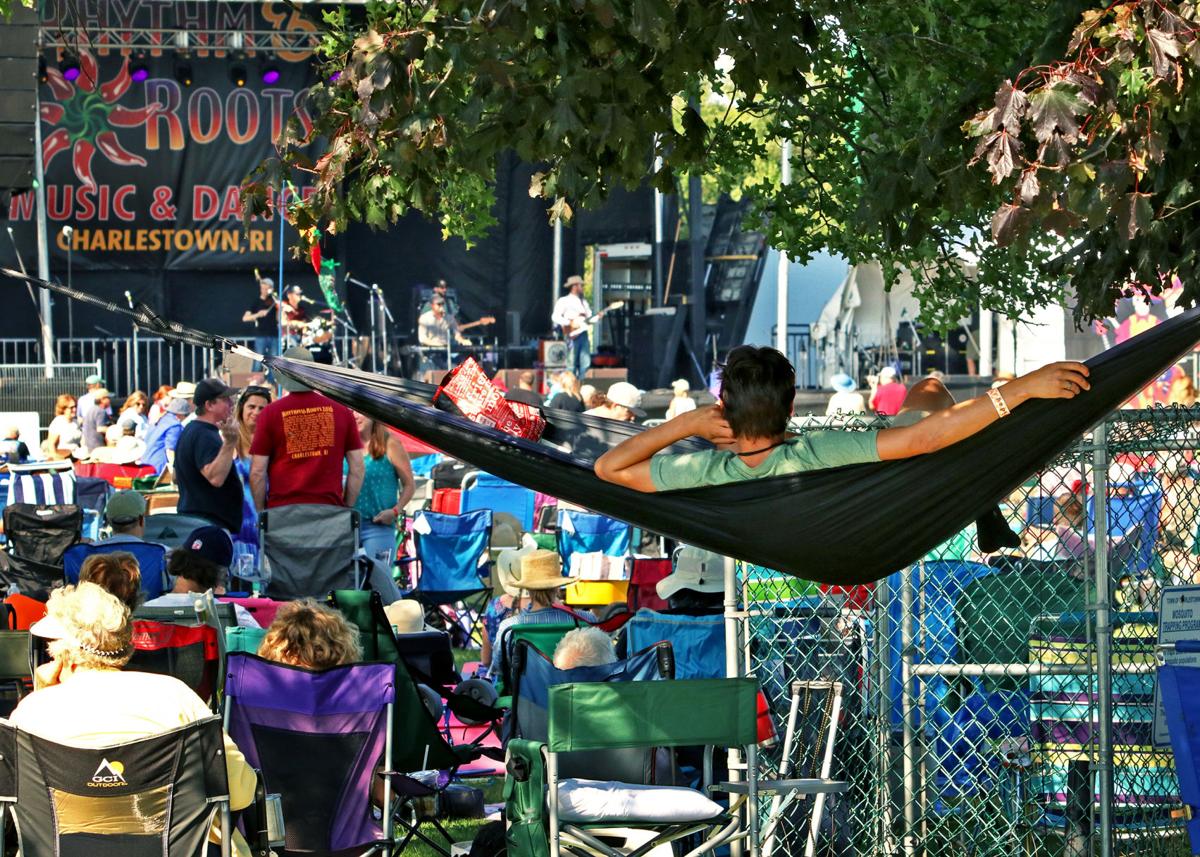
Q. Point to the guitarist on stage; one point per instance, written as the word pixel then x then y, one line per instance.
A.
pixel 571 315
pixel 434 329
pixel 261 314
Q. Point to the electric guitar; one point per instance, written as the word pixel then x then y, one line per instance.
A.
pixel 579 325
pixel 487 319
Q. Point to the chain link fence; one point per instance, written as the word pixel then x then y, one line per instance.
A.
pixel 999 704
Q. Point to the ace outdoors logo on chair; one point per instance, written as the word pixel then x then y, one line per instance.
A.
pixel 109 775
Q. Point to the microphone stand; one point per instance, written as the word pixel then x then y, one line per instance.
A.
pixel 385 317
pixel 136 361
pixel 371 290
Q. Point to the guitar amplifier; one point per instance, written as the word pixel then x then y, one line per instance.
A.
pixel 552 353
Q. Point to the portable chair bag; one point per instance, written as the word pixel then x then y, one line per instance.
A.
pixel 151 798
pixel 42 533
pixel 317 736
pixel 310 549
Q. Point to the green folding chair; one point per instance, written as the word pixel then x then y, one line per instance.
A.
pixel 246 640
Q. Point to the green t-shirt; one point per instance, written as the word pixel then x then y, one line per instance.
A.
pixel 816 450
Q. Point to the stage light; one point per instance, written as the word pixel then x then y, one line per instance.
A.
pixel 183 72
pixel 237 74
pixel 333 78
pixel 69 66
pixel 139 70
pixel 270 74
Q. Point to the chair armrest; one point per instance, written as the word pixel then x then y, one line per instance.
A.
pixel 810 786
pixel 263 821
pixel 503 702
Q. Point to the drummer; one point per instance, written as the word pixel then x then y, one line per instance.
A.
pixel 295 317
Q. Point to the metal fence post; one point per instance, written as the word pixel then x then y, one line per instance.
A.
pixel 1104 767
pixel 908 708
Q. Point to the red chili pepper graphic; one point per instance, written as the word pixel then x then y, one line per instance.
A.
pixel 107 143
pixel 82 161
pixel 125 117
pixel 89 72
pixel 52 113
pixel 58 141
pixel 118 86
pixel 58 84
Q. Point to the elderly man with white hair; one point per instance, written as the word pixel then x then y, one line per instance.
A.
pixel 584 647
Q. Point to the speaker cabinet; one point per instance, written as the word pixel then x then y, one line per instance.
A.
pixel 552 353
pixel 18 97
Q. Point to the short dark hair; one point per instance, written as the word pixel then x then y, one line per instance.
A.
pixel 202 572
pixel 758 387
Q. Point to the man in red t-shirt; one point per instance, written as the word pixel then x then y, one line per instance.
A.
pixel 888 397
pixel 299 444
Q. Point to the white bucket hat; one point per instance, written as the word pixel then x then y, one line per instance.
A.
pixel 508 565
pixel 695 569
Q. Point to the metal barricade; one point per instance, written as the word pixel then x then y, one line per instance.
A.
pixel 26 387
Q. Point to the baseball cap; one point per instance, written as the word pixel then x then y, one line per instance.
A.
pixel 94 379
pixel 210 543
pixel 624 393
pixel 125 507
pixel 210 389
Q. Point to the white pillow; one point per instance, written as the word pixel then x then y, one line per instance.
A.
pixel 591 801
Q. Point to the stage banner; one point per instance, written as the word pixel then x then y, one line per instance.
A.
pixel 146 146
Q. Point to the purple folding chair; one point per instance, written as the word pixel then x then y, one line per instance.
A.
pixel 317 736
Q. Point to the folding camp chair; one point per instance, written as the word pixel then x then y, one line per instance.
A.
pixel 187 642
pixel 38 536
pixel 1180 691
pixel 310 549
pixel 452 552
pixel 698 641
pixel 263 610
pixel 157 796
pixel 41 483
pixel 151 559
pixel 595 548
pixel 485 491
pixel 172 529
pixel 16 678
pixel 247 640
pixel 544 638
pixel 609 716
pixel 318 736
pixel 534 674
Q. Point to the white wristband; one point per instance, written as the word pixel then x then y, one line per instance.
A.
pixel 998 403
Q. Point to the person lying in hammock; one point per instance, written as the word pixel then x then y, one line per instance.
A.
pixel 749 427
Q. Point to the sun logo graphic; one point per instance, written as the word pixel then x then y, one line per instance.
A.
pixel 108 775
pixel 85 114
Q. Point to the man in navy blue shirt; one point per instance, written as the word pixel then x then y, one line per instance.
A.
pixel 209 486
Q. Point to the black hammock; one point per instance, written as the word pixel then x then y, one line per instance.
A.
pixel 843 526
pixel 846 525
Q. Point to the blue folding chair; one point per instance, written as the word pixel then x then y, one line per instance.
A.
pixel 485 491
pixel 151 558
pixel 1179 688
pixel 698 641
pixel 534 674
pixel 585 532
pixel 451 553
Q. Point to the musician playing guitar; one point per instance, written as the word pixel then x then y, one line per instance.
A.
pixel 572 316
pixel 261 314
pixel 436 326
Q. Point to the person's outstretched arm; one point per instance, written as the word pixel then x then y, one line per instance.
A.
pixel 628 463
pixel 944 428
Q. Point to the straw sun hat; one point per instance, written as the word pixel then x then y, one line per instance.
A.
pixel 537 570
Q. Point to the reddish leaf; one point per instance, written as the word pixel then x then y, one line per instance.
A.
pixel 1163 47
pixel 1061 220
pixel 1008 222
pixel 1011 104
pixel 1028 188
pixel 1133 213
pixel 1054 108
pixel 1087 88
pixel 1003 156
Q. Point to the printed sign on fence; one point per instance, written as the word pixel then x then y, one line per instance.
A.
pixel 1179 620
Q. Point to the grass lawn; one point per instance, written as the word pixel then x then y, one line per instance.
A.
pixel 461 829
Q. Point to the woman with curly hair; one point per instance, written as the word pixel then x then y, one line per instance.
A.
pixel 311 635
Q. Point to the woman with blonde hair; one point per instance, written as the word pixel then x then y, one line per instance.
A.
pixel 86 698
pixel 311 635
pixel 64 434
pixel 135 413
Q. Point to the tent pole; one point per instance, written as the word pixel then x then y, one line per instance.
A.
pixel 45 306
pixel 732 666
pixel 556 274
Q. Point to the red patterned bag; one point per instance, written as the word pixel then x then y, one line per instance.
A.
pixel 468 392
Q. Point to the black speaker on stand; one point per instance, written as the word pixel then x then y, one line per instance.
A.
pixel 649 337
pixel 18 98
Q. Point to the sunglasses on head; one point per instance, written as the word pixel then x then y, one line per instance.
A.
pixel 265 392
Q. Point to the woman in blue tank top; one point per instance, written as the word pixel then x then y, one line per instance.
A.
pixel 387 486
